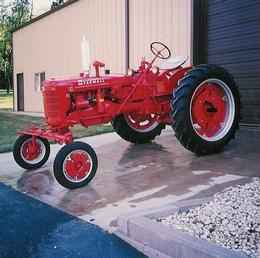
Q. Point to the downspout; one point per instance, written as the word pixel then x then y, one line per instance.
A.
pixel 127 54
pixel 12 63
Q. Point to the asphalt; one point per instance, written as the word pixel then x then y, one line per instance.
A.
pixel 32 229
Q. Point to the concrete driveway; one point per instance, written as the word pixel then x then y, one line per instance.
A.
pixel 135 177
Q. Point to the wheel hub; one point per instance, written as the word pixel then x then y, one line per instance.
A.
pixel 31 150
pixel 210 109
pixel 77 166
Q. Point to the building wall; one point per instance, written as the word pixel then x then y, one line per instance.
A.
pixel 53 44
pixel 168 21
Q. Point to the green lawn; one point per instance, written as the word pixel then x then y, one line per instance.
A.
pixel 6 100
pixel 10 123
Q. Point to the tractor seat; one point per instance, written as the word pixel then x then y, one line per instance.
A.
pixel 171 63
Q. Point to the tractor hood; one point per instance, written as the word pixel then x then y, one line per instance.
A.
pixel 87 81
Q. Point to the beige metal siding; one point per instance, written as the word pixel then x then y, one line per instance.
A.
pixel 52 44
pixel 168 21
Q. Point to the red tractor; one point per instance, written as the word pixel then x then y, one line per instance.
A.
pixel 201 103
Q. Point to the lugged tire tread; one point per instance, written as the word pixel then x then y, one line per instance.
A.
pixel 181 105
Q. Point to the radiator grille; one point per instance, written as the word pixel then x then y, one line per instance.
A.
pixel 51 105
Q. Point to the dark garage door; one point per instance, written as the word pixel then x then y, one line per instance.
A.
pixel 233 41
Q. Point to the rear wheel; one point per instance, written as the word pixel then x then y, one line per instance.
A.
pixel 29 153
pixel 206 109
pixel 75 165
pixel 137 128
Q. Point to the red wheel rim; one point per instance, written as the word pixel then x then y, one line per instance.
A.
pixel 32 151
pixel 212 110
pixel 77 166
pixel 140 122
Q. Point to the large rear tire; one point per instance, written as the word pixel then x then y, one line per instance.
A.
pixel 137 129
pixel 206 109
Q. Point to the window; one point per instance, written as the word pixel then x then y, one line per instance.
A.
pixel 38 80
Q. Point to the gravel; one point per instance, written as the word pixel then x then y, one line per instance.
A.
pixel 231 219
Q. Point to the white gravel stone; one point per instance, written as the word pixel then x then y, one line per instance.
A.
pixel 231 219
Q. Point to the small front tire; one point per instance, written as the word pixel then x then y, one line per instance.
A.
pixel 30 156
pixel 75 165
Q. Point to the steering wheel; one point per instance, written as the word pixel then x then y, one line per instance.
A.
pixel 160 50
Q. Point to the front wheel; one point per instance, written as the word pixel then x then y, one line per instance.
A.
pixel 75 165
pixel 31 153
pixel 137 128
pixel 206 109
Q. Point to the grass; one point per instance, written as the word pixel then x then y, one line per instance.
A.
pixel 10 123
pixel 6 100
